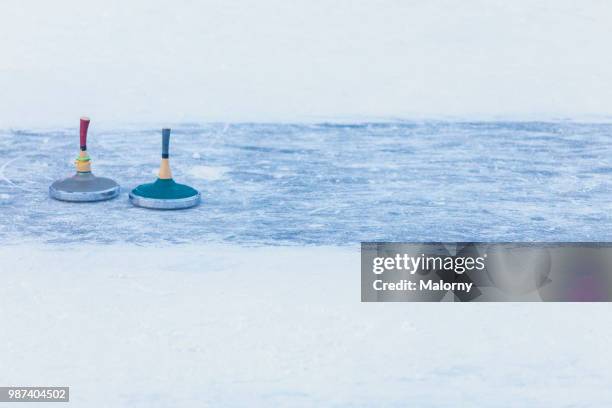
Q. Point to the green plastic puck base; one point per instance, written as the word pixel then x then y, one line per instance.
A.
pixel 164 194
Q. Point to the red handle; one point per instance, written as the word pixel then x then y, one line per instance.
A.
pixel 84 127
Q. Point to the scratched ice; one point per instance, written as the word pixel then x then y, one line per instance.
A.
pixel 323 184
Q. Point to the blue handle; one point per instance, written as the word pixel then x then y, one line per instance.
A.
pixel 165 143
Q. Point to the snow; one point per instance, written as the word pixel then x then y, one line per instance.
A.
pixel 152 61
pixel 218 325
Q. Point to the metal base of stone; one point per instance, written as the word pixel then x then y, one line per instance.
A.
pixel 164 204
pixel 84 187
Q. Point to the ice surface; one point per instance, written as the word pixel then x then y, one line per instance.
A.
pixel 324 184
pixel 206 172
